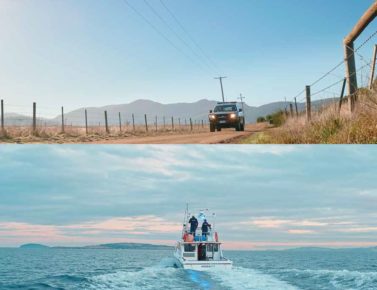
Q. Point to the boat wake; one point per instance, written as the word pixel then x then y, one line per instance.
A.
pixel 165 276
pixel 338 279
pixel 243 278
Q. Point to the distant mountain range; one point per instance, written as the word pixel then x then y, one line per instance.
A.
pixel 124 246
pixel 197 111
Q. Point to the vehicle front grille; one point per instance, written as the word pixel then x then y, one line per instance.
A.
pixel 223 117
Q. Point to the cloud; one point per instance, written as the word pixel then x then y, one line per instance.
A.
pixel 279 223
pixel 301 232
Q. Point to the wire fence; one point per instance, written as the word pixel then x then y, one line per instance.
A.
pixel 20 120
pixel 330 87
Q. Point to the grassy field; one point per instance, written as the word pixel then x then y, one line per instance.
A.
pixel 328 125
pixel 72 134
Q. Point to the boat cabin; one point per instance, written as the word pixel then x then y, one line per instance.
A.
pixel 201 251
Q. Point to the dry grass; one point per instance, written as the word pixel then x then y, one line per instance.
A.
pixel 328 126
pixel 72 134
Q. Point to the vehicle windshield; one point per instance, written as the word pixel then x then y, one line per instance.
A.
pixel 226 108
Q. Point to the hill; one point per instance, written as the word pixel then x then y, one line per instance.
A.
pixel 34 246
pixel 123 246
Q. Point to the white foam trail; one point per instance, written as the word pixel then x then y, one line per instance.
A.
pixel 342 279
pixel 242 278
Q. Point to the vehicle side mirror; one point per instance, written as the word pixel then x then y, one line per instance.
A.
pixel 240 110
pixel 210 111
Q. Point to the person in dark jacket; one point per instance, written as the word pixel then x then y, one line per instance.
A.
pixel 193 225
pixel 205 227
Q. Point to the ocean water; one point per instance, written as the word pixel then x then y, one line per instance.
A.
pixel 134 269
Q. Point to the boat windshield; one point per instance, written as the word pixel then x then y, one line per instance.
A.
pixel 226 108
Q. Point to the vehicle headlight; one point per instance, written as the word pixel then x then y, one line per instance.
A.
pixel 213 117
pixel 233 116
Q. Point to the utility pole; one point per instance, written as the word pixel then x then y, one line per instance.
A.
pixel 221 84
pixel 242 102
pixel 243 109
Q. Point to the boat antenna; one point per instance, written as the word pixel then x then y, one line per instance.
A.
pixel 185 219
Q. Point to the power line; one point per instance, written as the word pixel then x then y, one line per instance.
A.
pixel 158 31
pixel 173 31
pixel 189 35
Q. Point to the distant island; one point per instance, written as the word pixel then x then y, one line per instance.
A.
pixel 34 246
pixel 123 246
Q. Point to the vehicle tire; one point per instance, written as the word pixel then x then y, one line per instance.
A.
pixel 218 129
pixel 212 128
pixel 243 127
pixel 238 126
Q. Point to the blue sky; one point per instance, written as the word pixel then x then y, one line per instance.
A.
pixel 91 53
pixel 264 196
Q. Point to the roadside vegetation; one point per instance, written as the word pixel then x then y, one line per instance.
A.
pixel 328 125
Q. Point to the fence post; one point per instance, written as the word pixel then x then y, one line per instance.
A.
pixel 106 123
pixel 308 104
pixel 2 116
pixel 373 68
pixel 62 119
pixel 120 123
pixel 342 94
pixel 202 124
pixel 86 122
pixel 296 107
pixel 156 124
pixel 191 124
pixel 291 109
pixel 164 123
pixel 172 123
pixel 133 122
pixel 179 123
pixel 34 117
pixel 146 122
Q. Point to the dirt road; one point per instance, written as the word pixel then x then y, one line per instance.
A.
pixel 227 136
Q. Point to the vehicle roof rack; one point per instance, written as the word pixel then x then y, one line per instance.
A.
pixel 221 103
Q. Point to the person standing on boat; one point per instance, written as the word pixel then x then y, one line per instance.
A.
pixel 193 225
pixel 205 227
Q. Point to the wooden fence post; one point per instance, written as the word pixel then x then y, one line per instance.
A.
pixel 308 104
pixel 172 123
pixel 373 68
pixel 86 122
pixel 202 124
pixel 133 122
pixel 179 123
pixel 120 123
pixel 106 123
pixel 2 116
pixel 62 119
pixel 342 94
pixel 191 124
pixel 291 109
pixel 164 122
pixel 360 26
pixel 296 107
pixel 146 122
pixel 34 117
pixel 156 124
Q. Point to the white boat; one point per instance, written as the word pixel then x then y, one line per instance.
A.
pixel 201 251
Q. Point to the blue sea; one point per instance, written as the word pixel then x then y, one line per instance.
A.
pixel 154 269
